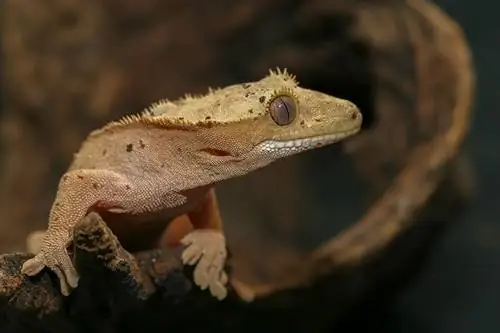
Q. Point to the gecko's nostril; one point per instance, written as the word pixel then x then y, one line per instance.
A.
pixel 354 113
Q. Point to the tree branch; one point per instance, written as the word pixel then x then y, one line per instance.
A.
pixel 113 282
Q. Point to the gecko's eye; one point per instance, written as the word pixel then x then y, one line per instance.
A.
pixel 283 109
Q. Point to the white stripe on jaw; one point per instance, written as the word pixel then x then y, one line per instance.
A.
pixel 298 145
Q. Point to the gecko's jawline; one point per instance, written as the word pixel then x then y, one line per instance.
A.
pixel 305 143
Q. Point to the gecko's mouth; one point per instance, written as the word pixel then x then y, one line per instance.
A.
pixel 306 143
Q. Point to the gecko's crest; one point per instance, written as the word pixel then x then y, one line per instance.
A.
pixel 283 74
pixel 156 108
pixel 188 98
pixel 155 121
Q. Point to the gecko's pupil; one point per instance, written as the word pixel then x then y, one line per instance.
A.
pixel 283 110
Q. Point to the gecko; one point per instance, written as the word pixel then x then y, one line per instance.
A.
pixel 165 161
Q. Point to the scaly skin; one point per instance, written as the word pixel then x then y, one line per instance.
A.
pixel 164 162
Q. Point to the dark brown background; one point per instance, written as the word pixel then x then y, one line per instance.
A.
pixel 459 290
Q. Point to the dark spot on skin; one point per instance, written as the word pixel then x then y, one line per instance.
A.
pixel 181 118
pixel 56 219
pixel 317 120
pixel 79 176
pixel 57 204
pixel 179 149
pixel 127 187
pixel 248 94
pixel 162 165
pixel 283 109
pixel 95 185
pixel 104 152
pixel 208 118
pixel 65 177
pixel 250 110
pixel 130 147
pixel 245 85
pixel 302 122
pixel 141 144
pixel 215 152
pixel 262 99
pixel 354 115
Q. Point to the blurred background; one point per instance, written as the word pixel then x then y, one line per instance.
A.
pixel 69 67
pixel 458 291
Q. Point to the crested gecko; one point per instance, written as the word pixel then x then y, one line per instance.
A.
pixel 164 162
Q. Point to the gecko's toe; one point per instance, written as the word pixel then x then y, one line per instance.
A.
pixel 33 266
pixel 191 254
pixel 216 269
pixel 218 290
pixel 188 239
pixel 200 275
pixel 72 277
pixel 63 285
pixel 66 265
pixel 216 275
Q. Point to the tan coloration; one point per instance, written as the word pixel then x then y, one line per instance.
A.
pixel 144 170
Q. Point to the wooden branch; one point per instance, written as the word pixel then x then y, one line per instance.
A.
pixel 113 283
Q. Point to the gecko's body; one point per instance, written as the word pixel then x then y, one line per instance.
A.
pixel 164 162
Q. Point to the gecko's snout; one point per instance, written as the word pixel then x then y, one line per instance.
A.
pixel 353 114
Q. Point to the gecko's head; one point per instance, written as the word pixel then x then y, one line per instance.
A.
pixel 266 120
pixel 293 119
pixel 246 126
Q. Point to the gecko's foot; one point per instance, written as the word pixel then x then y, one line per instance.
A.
pixel 207 250
pixel 57 261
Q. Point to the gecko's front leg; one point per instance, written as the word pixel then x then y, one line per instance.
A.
pixel 79 192
pixel 206 247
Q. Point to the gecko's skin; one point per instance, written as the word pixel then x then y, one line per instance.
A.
pixel 163 162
